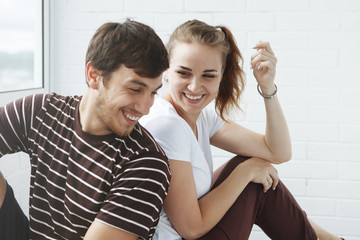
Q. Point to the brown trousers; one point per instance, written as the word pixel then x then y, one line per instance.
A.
pixel 276 212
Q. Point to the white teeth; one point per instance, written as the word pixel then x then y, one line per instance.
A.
pixel 132 118
pixel 193 97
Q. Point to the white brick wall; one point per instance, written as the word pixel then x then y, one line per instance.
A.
pixel 317 43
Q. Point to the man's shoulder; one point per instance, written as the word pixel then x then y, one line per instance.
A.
pixel 58 99
pixel 145 143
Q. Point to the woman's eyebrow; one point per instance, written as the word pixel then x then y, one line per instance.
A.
pixel 189 69
pixel 210 70
pixel 186 68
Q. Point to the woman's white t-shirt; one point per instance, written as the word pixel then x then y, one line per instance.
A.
pixel 179 143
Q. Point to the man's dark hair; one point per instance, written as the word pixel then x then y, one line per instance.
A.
pixel 131 43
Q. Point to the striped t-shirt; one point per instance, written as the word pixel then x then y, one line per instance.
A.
pixel 77 177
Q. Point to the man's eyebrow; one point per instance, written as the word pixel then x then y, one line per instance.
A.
pixel 142 84
pixel 137 82
pixel 160 86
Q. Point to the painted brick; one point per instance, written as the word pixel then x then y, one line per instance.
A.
pixel 296 186
pixel 334 189
pixel 347 96
pixel 340 226
pixel 324 96
pixel 318 206
pixel 247 22
pixel 96 6
pixel 351 21
pixel 334 151
pixel 78 38
pixel 72 56
pixel 308 169
pixel 149 6
pixel 170 22
pixel 334 5
pixel 75 21
pixel 295 113
pixel 350 114
pixel 348 208
pixel 277 5
pixel 350 133
pixel 334 40
pixel 325 77
pixel 299 150
pixel 349 171
pixel 308 59
pixel 294 77
pixel 281 40
pixel 324 114
pixel 314 132
pixel 214 6
pixel 348 59
pixel 308 22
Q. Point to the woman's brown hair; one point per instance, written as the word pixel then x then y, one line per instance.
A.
pixel 233 80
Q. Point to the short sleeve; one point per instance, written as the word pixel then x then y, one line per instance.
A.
pixel 214 122
pixel 173 136
pixel 16 121
pixel 135 199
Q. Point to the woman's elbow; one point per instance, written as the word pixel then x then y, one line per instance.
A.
pixel 192 232
pixel 192 235
pixel 284 157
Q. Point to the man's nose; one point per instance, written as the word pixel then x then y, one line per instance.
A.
pixel 144 104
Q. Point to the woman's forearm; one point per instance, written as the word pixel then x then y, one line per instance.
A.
pixel 214 205
pixel 277 136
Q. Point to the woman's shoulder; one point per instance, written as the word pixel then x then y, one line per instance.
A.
pixel 162 113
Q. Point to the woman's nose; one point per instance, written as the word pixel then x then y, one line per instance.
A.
pixel 195 85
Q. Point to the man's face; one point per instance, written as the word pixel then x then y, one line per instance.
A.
pixel 122 100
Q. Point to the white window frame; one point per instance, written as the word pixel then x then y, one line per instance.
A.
pixel 6 97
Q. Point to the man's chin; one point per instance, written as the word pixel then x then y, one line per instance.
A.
pixel 125 132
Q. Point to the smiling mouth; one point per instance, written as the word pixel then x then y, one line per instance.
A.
pixel 193 97
pixel 131 117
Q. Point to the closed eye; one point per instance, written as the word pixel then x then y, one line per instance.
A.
pixel 208 76
pixel 183 73
pixel 134 90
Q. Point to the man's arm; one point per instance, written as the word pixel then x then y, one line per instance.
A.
pixel 102 231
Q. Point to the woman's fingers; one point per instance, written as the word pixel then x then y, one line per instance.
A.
pixel 265 45
pixel 271 180
pixel 275 182
pixel 263 57
pixel 262 53
pixel 267 183
pixel 263 173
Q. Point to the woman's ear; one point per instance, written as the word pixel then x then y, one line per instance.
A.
pixel 92 76
pixel 165 76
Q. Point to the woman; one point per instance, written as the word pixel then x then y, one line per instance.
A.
pixel 205 65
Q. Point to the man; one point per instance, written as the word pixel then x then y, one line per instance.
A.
pixel 95 172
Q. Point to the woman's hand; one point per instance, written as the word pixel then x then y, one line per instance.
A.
pixel 262 172
pixel 263 62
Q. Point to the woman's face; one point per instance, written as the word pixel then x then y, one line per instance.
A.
pixel 194 76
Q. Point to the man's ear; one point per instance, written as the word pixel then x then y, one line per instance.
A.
pixel 93 76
